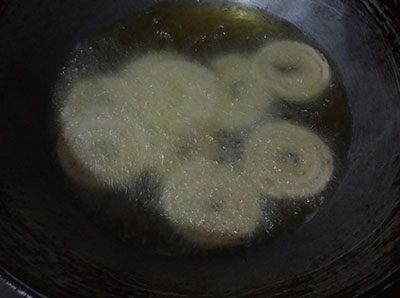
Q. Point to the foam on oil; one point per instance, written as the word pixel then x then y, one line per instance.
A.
pixel 201 33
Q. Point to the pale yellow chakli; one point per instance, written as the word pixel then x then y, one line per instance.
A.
pixel 174 94
pixel 294 70
pixel 116 126
pixel 98 98
pixel 244 99
pixel 283 160
pixel 115 153
pixel 210 205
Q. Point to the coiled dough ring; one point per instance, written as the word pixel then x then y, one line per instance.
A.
pixel 246 98
pixel 296 71
pixel 115 153
pixel 174 94
pixel 284 160
pixel 210 205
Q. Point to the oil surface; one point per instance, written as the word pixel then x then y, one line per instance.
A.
pixel 202 32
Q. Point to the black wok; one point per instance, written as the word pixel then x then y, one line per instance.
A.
pixel 350 248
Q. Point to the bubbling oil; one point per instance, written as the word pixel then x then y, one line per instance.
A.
pixel 202 32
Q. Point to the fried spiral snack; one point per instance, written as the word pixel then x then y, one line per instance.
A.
pixel 284 160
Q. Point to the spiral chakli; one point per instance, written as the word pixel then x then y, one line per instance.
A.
pixel 98 98
pixel 115 153
pixel 284 160
pixel 245 99
pixel 173 94
pixel 294 70
pixel 209 205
